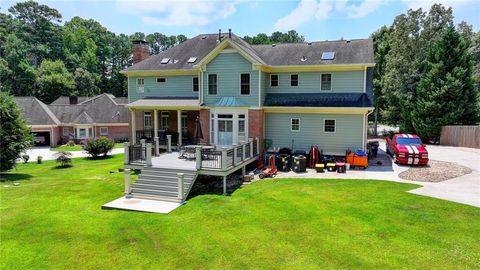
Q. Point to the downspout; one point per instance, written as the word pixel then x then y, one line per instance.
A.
pixel 259 88
pixel 201 86
pixel 365 129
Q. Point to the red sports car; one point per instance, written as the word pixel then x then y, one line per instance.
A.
pixel 407 149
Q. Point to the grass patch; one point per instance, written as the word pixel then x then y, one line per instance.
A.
pixel 53 220
pixel 77 147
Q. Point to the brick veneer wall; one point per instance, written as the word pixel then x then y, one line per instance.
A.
pixel 116 133
pixel 255 125
pixel 205 123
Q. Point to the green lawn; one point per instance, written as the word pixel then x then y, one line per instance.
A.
pixel 77 147
pixel 53 220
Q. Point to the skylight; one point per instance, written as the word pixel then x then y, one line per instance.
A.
pixel 165 61
pixel 192 60
pixel 328 55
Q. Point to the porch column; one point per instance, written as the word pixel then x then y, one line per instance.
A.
pixel 224 185
pixel 155 123
pixel 155 132
pixel 179 126
pixel 134 128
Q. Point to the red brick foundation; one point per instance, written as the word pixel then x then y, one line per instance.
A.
pixel 255 125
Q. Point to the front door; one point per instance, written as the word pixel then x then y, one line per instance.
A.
pixel 225 129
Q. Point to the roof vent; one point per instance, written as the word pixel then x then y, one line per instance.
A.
pixel 273 45
pixel 165 61
pixel 309 43
pixel 204 37
pixel 303 59
pixel 192 60
pixel 328 55
pixel 175 61
pixel 348 41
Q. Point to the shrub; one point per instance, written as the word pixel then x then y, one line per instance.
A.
pixel 25 158
pixel 39 159
pixel 63 157
pixel 71 143
pixel 99 146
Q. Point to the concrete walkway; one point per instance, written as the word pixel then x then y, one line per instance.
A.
pixel 464 189
pixel 45 152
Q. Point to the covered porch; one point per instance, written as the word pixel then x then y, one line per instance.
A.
pixel 160 121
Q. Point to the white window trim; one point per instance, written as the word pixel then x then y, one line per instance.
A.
pixel 140 87
pixel 103 133
pixel 249 83
pixel 208 84
pixel 167 113
pixel 291 124
pixel 329 119
pixel 278 80
pixel 298 80
pixel 161 78
pixel 331 82
pixel 235 112
pixel 198 83
pixel 145 114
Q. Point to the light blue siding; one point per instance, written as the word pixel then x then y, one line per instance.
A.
pixel 309 82
pixel 175 86
pixel 228 67
pixel 348 135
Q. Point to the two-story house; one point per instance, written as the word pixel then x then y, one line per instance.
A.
pixel 290 95
pixel 244 97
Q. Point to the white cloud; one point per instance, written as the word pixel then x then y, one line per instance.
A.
pixel 426 4
pixel 304 12
pixel 308 10
pixel 180 13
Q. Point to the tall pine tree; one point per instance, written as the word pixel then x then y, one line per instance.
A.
pixel 445 94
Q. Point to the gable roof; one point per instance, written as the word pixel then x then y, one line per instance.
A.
pixel 358 51
pixel 64 100
pixel 36 112
pixel 102 109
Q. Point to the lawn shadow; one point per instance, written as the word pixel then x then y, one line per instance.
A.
pixel 213 185
pixel 99 157
pixel 60 167
pixel 15 176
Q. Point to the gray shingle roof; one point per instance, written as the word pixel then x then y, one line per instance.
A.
pixel 99 109
pixel 357 51
pixel 319 100
pixel 63 100
pixel 36 112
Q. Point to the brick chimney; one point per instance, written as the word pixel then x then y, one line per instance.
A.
pixel 141 51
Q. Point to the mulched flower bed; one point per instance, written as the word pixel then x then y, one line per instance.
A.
pixel 435 171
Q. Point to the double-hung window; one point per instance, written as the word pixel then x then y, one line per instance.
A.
pixel 295 124
pixel 147 120
pixel 164 120
pixel 66 131
pixel 195 84
pixel 245 84
pixel 329 126
pixel 273 80
pixel 161 80
pixel 212 84
pixel 184 124
pixel 294 80
pixel 103 131
pixel 326 82
pixel 140 85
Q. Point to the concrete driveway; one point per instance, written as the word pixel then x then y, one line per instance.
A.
pixel 464 189
pixel 45 152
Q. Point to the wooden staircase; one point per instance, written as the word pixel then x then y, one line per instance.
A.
pixel 162 184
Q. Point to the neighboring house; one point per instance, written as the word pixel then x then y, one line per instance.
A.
pixel 75 118
pixel 290 95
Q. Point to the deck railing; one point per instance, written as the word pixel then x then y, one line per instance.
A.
pixel 208 159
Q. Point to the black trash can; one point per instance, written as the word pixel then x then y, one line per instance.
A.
pixel 299 164
pixel 283 162
pixel 373 148
pixel 285 151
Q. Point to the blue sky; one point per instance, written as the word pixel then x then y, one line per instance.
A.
pixel 315 19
